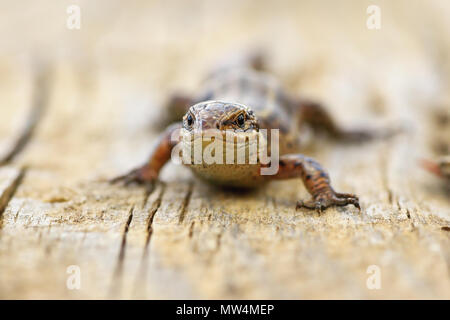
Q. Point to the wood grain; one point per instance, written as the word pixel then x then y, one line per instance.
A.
pixel 187 239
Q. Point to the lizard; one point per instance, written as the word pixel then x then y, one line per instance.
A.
pixel 245 100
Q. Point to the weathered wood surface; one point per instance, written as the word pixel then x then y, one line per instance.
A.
pixel 106 83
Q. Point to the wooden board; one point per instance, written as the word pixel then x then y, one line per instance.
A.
pixel 190 240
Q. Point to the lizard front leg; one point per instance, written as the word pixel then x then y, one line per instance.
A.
pixel 316 181
pixel 149 172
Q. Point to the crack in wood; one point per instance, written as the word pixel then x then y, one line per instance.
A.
pixel 124 235
pixel 408 214
pixel 152 212
pixel 39 102
pixel 117 275
pixel 191 230
pixel 185 204
pixel 9 191
pixel 142 272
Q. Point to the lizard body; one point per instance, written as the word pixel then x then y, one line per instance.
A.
pixel 240 101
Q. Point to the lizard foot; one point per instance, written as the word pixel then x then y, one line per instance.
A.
pixel 140 176
pixel 323 201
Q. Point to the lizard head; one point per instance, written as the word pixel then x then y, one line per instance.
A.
pixel 221 116
pixel 215 130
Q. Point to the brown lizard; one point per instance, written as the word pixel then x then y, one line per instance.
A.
pixel 246 100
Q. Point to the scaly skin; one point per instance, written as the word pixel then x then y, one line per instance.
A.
pixel 260 101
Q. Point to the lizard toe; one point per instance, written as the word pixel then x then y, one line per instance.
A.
pixel 322 202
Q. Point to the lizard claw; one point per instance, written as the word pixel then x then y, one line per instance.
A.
pixel 319 205
pixel 321 202
pixel 138 176
pixel 126 178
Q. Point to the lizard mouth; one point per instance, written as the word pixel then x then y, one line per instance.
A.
pixel 211 142
pixel 230 136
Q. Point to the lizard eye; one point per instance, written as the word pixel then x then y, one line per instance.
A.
pixel 240 120
pixel 190 120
